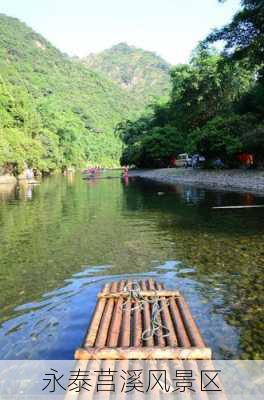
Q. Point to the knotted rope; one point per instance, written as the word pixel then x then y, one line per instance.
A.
pixel 156 327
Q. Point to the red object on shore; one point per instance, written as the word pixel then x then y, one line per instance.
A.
pixel 246 159
pixel 173 162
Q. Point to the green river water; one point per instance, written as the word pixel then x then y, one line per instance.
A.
pixel 62 240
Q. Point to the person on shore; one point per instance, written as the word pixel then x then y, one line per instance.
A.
pixel 218 163
pixel 195 161
pixel 125 171
pixel 92 171
pixel 246 160
pixel 125 175
pixel 29 174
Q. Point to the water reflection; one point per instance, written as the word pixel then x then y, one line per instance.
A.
pixel 59 248
pixel 40 331
pixel 7 191
pixel 226 250
pixel 25 191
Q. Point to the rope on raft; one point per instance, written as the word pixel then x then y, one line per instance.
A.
pixel 135 296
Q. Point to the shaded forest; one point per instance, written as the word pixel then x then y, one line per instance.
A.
pixel 216 105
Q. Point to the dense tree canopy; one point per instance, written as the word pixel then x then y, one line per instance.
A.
pixel 216 107
pixel 55 111
pixel 244 36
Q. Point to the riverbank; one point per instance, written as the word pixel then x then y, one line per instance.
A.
pixel 241 180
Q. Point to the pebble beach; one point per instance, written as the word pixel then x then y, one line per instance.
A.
pixel 237 180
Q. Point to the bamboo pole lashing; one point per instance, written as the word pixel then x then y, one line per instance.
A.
pixel 148 340
pixel 167 321
pixel 159 338
pixel 143 353
pixel 137 327
pixel 143 293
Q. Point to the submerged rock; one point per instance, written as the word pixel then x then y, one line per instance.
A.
pixel 7 179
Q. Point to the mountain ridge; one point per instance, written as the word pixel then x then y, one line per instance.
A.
pixel 65 111
pixel 141 72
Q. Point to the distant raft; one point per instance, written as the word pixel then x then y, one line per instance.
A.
pixel 142 321
pixel 95 177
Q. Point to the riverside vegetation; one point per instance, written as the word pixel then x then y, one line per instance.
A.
pixel 128 105
pixel 56 111
pixel 216 106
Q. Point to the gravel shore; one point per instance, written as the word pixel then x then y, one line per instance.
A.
pixel 238 180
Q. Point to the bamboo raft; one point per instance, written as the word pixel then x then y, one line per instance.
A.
pixel 116 331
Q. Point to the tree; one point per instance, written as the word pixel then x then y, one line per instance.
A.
pixel 244 36
pixel 206 87
pixel 216 104
pixel 220 137
pixel 155 148
pixel 160 145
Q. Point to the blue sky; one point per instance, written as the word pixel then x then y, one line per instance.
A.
pixel 171 28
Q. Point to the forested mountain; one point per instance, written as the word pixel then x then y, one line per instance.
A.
pixel 55 111
pixel 143 74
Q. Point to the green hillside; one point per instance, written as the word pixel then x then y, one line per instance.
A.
pixel 54 111
pixel 143 74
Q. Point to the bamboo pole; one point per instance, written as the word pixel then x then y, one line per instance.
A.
pixel 237 207
pixel 149 341
pixel 126 323
pixel 178 324
pixel 97 315
pixel 114 330
pixel 167 321
pixel 159 336
pixel 106 319
pixel 137 326
pixel 183 341
pixel 181 333
pixel 143 293
pixel 143 353
pixel 191 327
